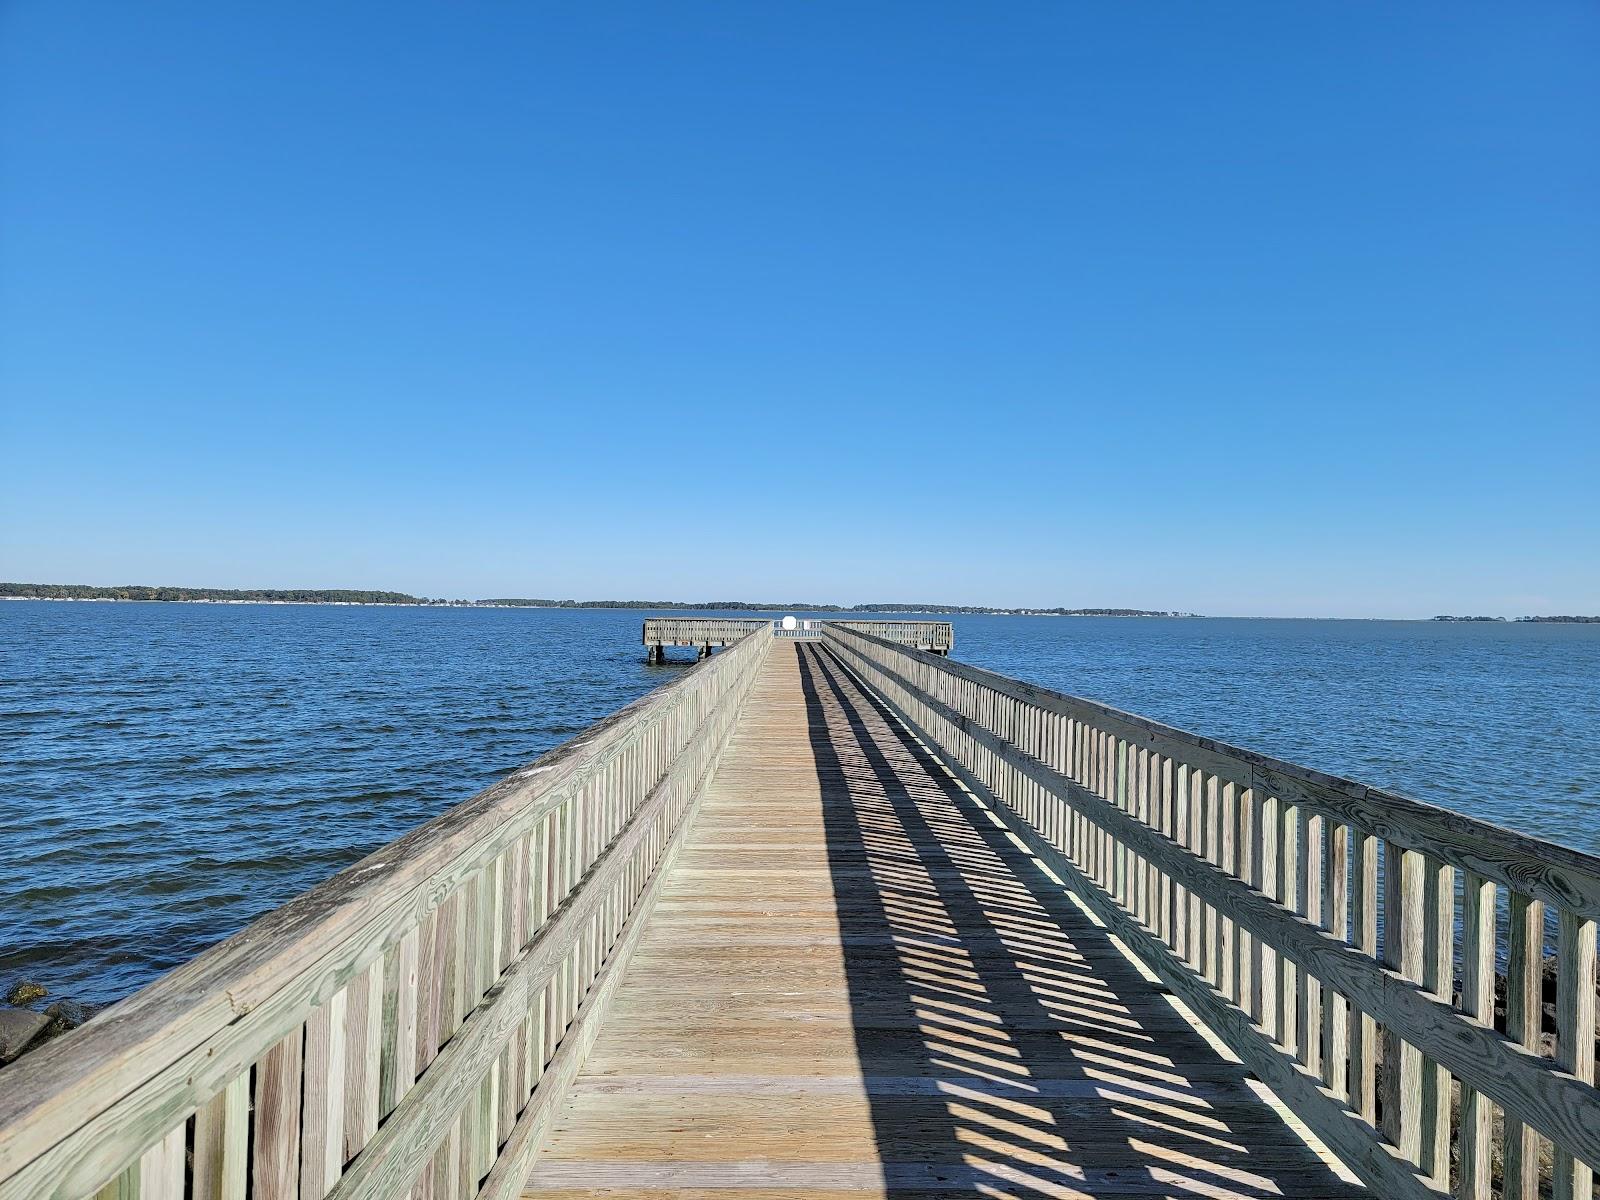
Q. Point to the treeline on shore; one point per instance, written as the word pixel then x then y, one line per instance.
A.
pixel 81 591
pixel 1562 620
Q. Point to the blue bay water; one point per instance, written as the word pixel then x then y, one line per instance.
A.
pixel 170 771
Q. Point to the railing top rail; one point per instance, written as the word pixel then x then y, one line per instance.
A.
pixel 1540 868
pixel 310 944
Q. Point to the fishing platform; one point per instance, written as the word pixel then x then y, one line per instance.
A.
pixel 832 915
pixel 706 633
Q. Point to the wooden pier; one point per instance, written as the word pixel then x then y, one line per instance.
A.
pixel 830 915
pixel 706 633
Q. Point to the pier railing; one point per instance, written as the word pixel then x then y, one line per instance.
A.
pixel 938 637
pixel 700 631
pixel 704 632
pixel 1251 888
pixel 407 1027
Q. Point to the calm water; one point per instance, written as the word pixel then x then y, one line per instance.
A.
pixel 168 772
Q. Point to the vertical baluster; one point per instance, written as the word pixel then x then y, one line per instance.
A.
pixel 1228 859
pixel 1524 1015
pixel 1108 791
pixel 429 994
pixel 1119 866
pixel 1287 893
pixel 1094 749
pixel 1439 915
pixel 1197 841
pixel 1060 760
pixel 1147 810
pixel 1269 843
pixel 1201 831
pixel 1082 835
pixel 532 1029
pixel 1575 1030
pixel 1077 853
pixel 470 990
pixel 447 1165
pixel 448 956
pixel 322 1149
pixel 491 887
pixel 1030 734
pixel 1403 952
pixel 1477 1001
pixel 1309 904
pixel 397 1066
pixel 1364 936
pixel 161 1168
pixel 1336 918
pixel 363 1057
pixel 1180 834
pixel 1247 948
pixel 275 1150
pixel 1214 828
pixel 222 1142
pixel 1164 819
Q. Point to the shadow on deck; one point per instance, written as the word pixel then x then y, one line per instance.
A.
pixel 1008 1048
pixel 855 984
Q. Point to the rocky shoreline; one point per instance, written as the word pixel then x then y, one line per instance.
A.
pixel 24 1026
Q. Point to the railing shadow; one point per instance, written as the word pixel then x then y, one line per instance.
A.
pixel 1007 1048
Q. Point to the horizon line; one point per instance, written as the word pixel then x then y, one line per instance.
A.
pixel 392 598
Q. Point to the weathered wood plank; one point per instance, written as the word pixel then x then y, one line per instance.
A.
pixel 1477 1001
pixel 1575 1033
pixel 1524 968
pixel 222 1143
pixel 161 1168
pixel 322 1138
pixel 275 1149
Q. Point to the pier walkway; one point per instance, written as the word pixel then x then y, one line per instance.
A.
pixel 831 913
pixel 855 984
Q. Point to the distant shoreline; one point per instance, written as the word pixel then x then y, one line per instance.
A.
pixel 342 598
pixel 86 593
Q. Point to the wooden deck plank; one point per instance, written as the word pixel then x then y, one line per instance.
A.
pixel 854 983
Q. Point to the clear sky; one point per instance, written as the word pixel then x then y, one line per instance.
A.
pixel 1262 308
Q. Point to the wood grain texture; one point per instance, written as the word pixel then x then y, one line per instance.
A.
pixel 1477 1001
pixel 275 1149
pixel 222 1142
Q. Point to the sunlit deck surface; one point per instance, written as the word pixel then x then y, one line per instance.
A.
pixel 854 982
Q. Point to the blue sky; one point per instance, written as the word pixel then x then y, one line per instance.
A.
pixel 1239 308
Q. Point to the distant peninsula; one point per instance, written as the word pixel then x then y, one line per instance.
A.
pixel 1533 620
pixel 184 595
